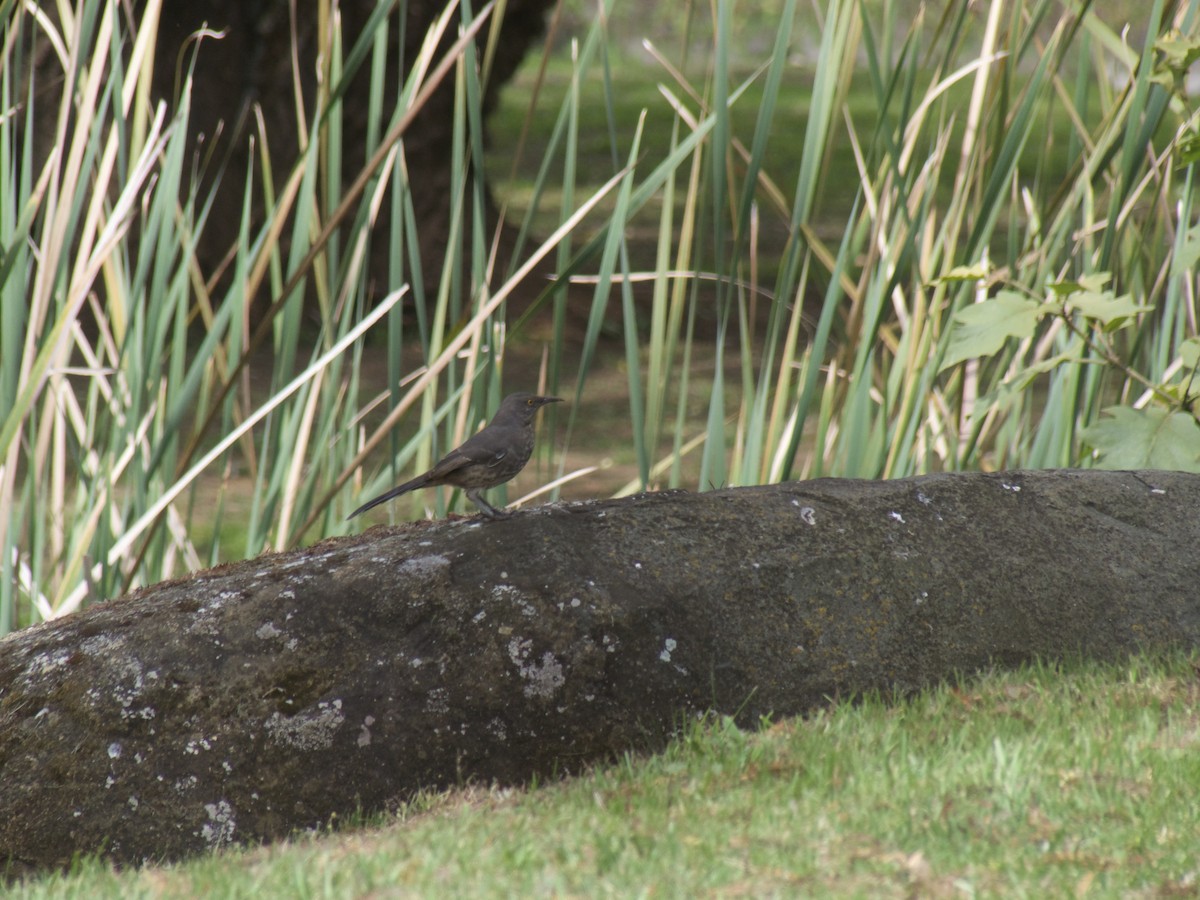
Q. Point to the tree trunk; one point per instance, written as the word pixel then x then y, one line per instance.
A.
pixel 283 692
pixel 251 64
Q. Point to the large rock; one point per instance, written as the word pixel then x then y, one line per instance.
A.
pixel 283 692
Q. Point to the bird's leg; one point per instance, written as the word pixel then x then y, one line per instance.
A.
pixel 475 495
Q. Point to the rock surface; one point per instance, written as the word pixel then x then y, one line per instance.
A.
pixel 284 692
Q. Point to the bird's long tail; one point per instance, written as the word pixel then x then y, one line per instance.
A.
pixel 418 482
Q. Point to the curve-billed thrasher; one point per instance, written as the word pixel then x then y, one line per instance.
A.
pixel 490 457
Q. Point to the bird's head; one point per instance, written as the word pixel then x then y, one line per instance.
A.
pixel 525 404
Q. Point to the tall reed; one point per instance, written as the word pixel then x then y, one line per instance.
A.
pixel 976 250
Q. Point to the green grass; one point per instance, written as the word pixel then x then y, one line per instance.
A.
pixel 636 85
pixel 1046 782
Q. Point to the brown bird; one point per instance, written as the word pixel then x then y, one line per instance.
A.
pixel 490 457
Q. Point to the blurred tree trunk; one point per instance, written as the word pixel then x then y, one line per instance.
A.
pixel 252 65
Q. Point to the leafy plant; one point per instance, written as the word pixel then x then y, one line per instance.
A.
pixel 1159 431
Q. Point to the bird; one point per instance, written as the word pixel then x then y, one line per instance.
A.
pixel 488 458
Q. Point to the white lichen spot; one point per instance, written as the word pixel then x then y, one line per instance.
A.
pixel 133 802
pixel 543 677
pixel 266 631
pixel 576 603
pixel 221 825
pixel 48 662
pixel 438 701
pixel 364 736
pixel 306 560
pixel 669 646
pixel 479 616
pixel 205 619
pixel 637 565
pixel 922 597
pixel 497 728
pixel 114 750
pixel 424 566
pixel 923 498
pixel 518 649
pixel 808 515
pixel 895 516
pixel 129 681
pixel 416 662
pixel 308 730
pixel 507 593
pixel 101 645
pixel 1015 488
pixel 610 643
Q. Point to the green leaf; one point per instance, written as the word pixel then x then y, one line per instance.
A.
pixel 1188 254
pixel 1175 392
pixel 1178 55
pixel 1145 439
pixel 982 328
pixel 1092 282
pixel 1003 394
pixel 964 273
pixel 1187 151
pixel 1178 52
pixel 1105 308
pixel 1189 352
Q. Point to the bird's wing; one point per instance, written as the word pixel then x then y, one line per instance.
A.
pixel 482 448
